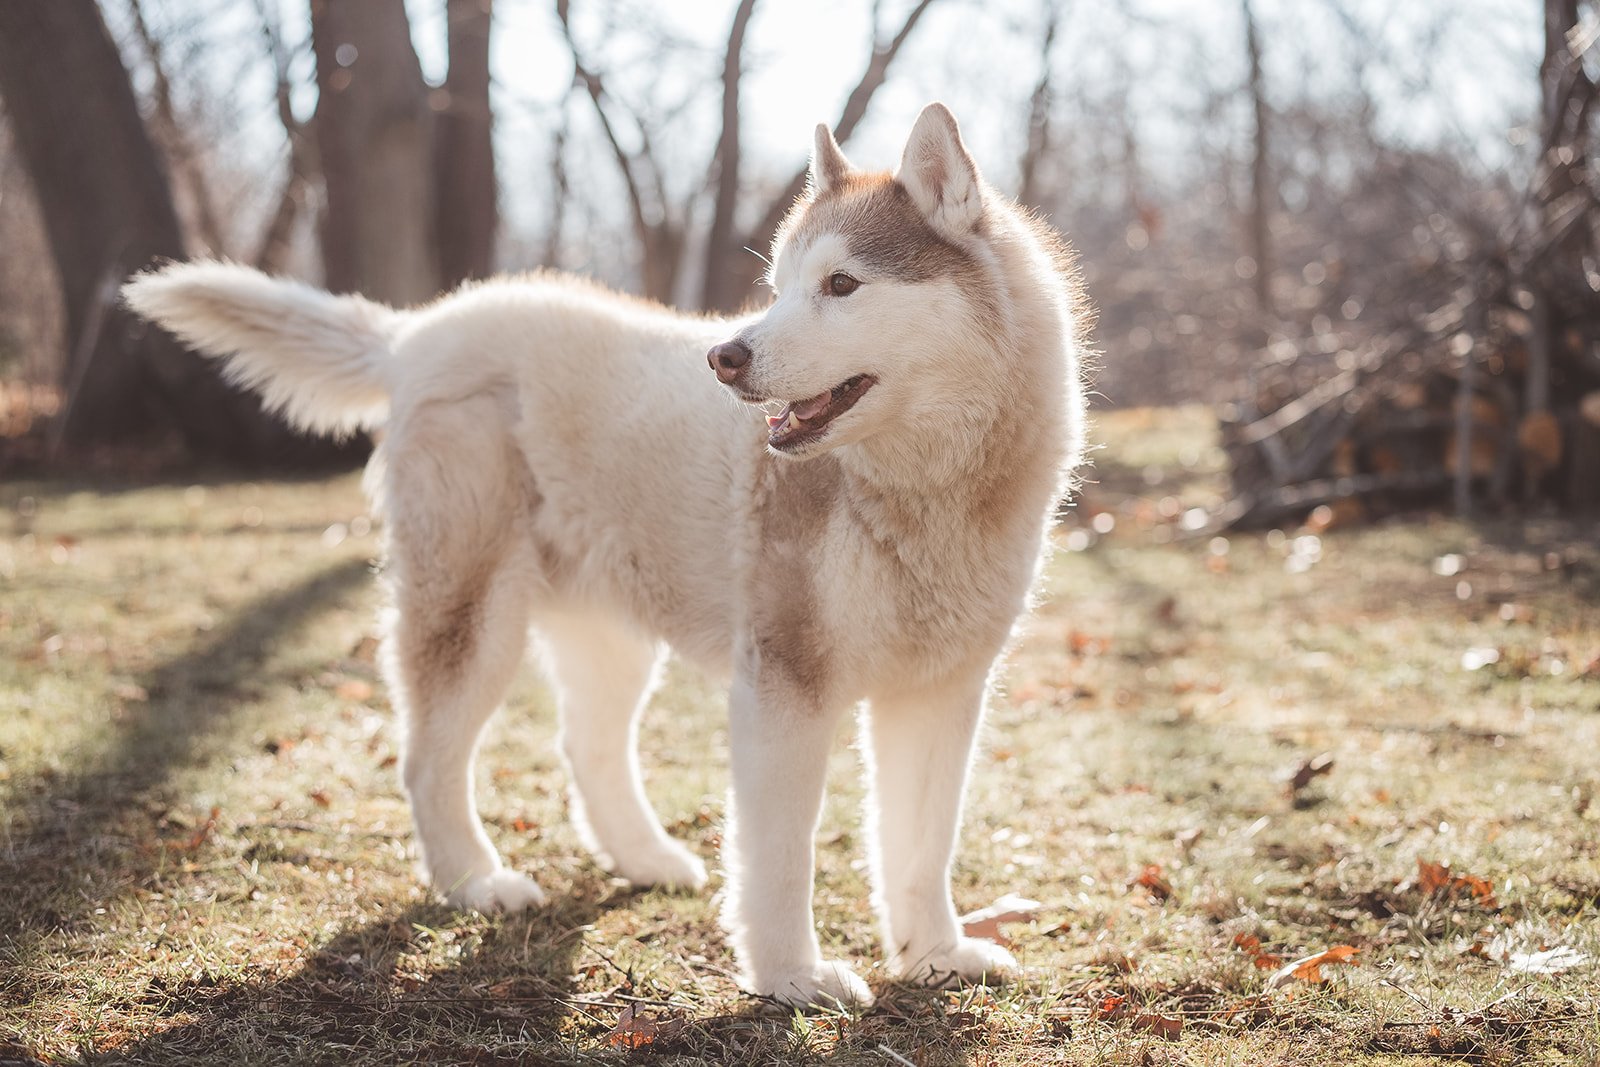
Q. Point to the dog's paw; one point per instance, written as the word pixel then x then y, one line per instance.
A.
pixel 497 891
pixel 970 959
pixel 828 984
pixel 669 865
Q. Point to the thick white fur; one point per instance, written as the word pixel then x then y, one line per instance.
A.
pixel 562 458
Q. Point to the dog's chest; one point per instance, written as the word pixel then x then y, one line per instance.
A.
pixel 921 605
pixel 857 591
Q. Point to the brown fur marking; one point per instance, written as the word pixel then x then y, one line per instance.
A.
pixel 884 230
pixel 798 500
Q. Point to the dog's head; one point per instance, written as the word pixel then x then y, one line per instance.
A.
pixel 882 287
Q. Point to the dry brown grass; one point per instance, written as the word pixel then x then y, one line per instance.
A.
pixel 169 652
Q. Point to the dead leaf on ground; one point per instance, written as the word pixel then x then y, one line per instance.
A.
pixel 635 1031
pixel 1165 1027
pixel 985 922
pixel 1309 968
pixel 1153 882
pixel 1437 879
pixel 1117 1007
pixel 1111 1007
pixel 1310 771
pixel 1250 945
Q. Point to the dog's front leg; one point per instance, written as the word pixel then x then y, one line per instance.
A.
pixel 780 736
pixel 920 744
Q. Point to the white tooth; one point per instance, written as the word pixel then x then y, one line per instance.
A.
pixel 791 423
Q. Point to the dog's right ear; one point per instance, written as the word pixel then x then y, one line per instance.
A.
pixel 828 165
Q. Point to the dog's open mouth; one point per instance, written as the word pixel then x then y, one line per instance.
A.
pixel 805 420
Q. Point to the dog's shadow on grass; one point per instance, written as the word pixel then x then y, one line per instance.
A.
pixel 376 992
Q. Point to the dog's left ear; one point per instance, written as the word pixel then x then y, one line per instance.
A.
pixel 828 165
pixel 939 174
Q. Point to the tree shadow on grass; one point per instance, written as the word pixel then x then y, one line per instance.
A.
pixel 79 834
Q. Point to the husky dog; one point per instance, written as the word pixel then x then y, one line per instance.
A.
pixel 560 459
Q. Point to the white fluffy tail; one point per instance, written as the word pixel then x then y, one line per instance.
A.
pixel 320 360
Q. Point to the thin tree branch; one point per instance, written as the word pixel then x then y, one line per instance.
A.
pixel 176 137
pixel 717 290
pixel 855 109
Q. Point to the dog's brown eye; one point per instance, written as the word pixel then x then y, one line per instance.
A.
pixel 841 284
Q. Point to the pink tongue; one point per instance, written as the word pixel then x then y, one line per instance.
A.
pixel 779 419
pixel 810 409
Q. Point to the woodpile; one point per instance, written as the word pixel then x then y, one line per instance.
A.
pixel 1429 417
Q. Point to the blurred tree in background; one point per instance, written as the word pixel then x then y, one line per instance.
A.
pixel 108 211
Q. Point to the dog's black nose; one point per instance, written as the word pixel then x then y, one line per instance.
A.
pixel 729 360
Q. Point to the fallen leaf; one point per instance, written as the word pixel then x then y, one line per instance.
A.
pixel 634 1031
pixel 1436 879
pixel 985 922
pixel 1549 961
pixel 1309 968
pixel 1163 1027
pixel 1152 881
pixel 1432 877
pixel 1250 945
pixel 1111 1007
pixel 1309 771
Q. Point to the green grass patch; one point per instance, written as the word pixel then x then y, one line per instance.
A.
pixel 205 854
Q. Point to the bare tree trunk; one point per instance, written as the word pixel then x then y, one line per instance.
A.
pixel 108 211
pixel 1261 195
pixel 374 135
pixel 1561 161
pixel 726 288
pixel 466 214
pixel 1038 145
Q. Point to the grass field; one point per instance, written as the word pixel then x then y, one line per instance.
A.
pixel 204 850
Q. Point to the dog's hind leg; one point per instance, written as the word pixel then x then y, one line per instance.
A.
pixel 463 573
pixel 452 669
pixel 920 746
pixel 603 674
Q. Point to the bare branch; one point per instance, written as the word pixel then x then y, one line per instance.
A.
pixel 181 148
pixel 718 289
pixel 855 109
